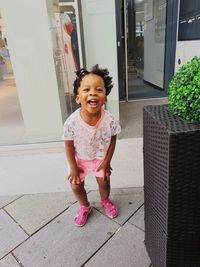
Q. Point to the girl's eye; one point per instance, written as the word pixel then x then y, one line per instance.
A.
pixel 86 89
pixel 99 89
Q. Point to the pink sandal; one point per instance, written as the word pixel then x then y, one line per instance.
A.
pixel 109 208
pixel 81 216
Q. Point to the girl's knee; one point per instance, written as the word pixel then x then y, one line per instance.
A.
pixel 78 188
pixel 103 183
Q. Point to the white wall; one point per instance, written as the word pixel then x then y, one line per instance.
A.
pixel 39 168
pixel 30 45
pixel 185 51
pixel 100 42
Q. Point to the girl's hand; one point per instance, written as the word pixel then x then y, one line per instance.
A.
pixel 74 176
pixel 106 168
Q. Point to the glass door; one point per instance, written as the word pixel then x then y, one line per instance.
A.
pixel 12 129
pixel 145 24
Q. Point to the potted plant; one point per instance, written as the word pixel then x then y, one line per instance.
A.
pixel 184 91
pixel 172 172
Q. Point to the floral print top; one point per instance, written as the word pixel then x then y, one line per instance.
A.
pixel 90 142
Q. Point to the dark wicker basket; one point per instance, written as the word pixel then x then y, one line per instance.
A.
pixel 171 188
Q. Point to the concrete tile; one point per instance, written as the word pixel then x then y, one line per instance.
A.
pixel 9 261
pixel 132 122
pixel 11 234
pixel 62 244
pixel 125 248
pixel 34 211
pixel 138 219
pixel 127 200
pixel 5 200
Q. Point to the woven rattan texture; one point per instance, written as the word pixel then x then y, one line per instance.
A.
pixel 172 188
pixel 170 121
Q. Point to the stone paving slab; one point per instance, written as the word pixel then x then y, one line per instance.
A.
pixel 61 244
pixel 5 200
pixel 125 248
pixel 34 211
pixel 128 200
pixel 138 219
pixel 11 234
pixel 9 261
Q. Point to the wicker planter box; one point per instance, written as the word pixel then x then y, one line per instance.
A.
pixel 171 188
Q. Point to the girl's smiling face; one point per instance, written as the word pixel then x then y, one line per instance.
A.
pixel 91 94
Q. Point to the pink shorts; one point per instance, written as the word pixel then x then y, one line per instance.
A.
pixel 89 166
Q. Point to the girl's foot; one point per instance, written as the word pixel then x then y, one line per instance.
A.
pixel 109 208
pixel 81 216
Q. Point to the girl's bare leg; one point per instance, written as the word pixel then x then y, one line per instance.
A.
pixel 104 187
pixel 80 193
pixel 104 190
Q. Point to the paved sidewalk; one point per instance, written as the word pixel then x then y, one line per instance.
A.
pixel 37 231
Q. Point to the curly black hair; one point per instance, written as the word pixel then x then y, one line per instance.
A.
pixel 103 73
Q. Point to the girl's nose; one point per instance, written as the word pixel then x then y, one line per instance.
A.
pixel 92 92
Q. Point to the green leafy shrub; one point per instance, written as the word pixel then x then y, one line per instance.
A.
pixel 184 91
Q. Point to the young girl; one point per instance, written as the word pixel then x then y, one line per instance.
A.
pixel 90 138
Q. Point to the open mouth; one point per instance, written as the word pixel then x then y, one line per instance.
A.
pixel 93 102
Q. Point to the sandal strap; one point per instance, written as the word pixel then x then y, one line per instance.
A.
pixel 109 207
pixel 81 216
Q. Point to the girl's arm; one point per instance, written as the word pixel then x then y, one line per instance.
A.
pixel 105 165
pixel 111 149
pixel 74 170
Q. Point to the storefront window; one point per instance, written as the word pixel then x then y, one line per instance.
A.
pixel 11 121
pixel 67 50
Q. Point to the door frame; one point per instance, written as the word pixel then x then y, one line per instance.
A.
pixel 121 57
pixel 170 40
pixel 170 45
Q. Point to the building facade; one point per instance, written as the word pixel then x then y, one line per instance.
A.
pixel 141 42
